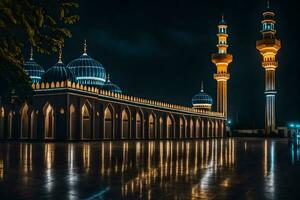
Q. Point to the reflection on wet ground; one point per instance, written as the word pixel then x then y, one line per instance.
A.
pixel 195 169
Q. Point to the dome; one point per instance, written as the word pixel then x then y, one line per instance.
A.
pixel 34 70
pixel 202 99
pixel 111 86
pixel 87 70
pixel 57 73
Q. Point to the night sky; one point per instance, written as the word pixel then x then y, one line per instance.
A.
pixel 161 50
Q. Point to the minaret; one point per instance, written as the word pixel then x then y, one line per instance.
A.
pixel 222 59
pixel 268 47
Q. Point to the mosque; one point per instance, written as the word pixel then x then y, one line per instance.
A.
pixel 79 101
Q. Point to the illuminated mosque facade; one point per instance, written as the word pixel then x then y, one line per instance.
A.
pixel 79 101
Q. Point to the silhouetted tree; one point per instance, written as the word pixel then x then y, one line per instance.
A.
pixel 43 24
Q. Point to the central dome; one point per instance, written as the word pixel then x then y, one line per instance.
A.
pixel 87 70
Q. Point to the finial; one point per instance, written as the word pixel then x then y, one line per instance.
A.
pixel 31 53
pixel 202 86
pixel 223 17
pixel 60 54
pixel 108 78
pixel 84 47
pixel 268 4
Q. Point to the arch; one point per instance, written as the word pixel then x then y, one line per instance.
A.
pixel 125 125
pixel 24 121
pixel 222 129
pixel 9 125
pixel 86 121
pixel 151 126
pixel 161 128
pixel 185 127
pixel 33 124
pixel 2 114
pixel 170 126
pixel 197 134
pixel 202 129
pixel 216 128
pixel 191 128
pixel 72 122
pixel 212 129
pixel 49 121
pixel 207 129
pixel 108 122
pixel 181 127
pixel 139 121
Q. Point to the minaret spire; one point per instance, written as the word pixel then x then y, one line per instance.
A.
pixel 202 86
pixel 60 54
pixel 268 4
pixel 31 53
pixel 85 47
pixel 108 78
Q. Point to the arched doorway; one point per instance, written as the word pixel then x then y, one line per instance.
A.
pixel 191 128
pixel 138 126
pixel 202 129
pixel 33 124
pixel 181 128
pixel 49 121
pixel 72 122
pixel 2 122
pixel 197 129
pixel 208 129
pixel 212 130
pixel 24 122
pixel 161 128
pixel 108 123
pixel 151 126
pixel 125 124
pixel 216 129
pixel 86 122
pixel 170 127
pixel 222 129
pixel 9 125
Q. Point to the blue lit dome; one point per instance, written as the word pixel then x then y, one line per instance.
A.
pixel 57 73
pixel 34 70
pixel 111 86
pixel 87 70
pixel 202 100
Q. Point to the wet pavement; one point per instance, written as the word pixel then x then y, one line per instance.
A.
pixel 194 169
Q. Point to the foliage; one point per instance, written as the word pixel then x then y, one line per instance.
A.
pixel 43 24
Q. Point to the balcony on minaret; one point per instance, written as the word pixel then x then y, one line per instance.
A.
pixel 268 45
pixel 271 65
pixel 218 58
pixel 222 76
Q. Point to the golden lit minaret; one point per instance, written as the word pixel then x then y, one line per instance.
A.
pixel 268 47
pixel 222 59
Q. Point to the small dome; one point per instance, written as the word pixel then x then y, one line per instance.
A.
pixel 57 73
pixel 34 70
pixel 87 70
pixel 111 86
pixel 201 99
